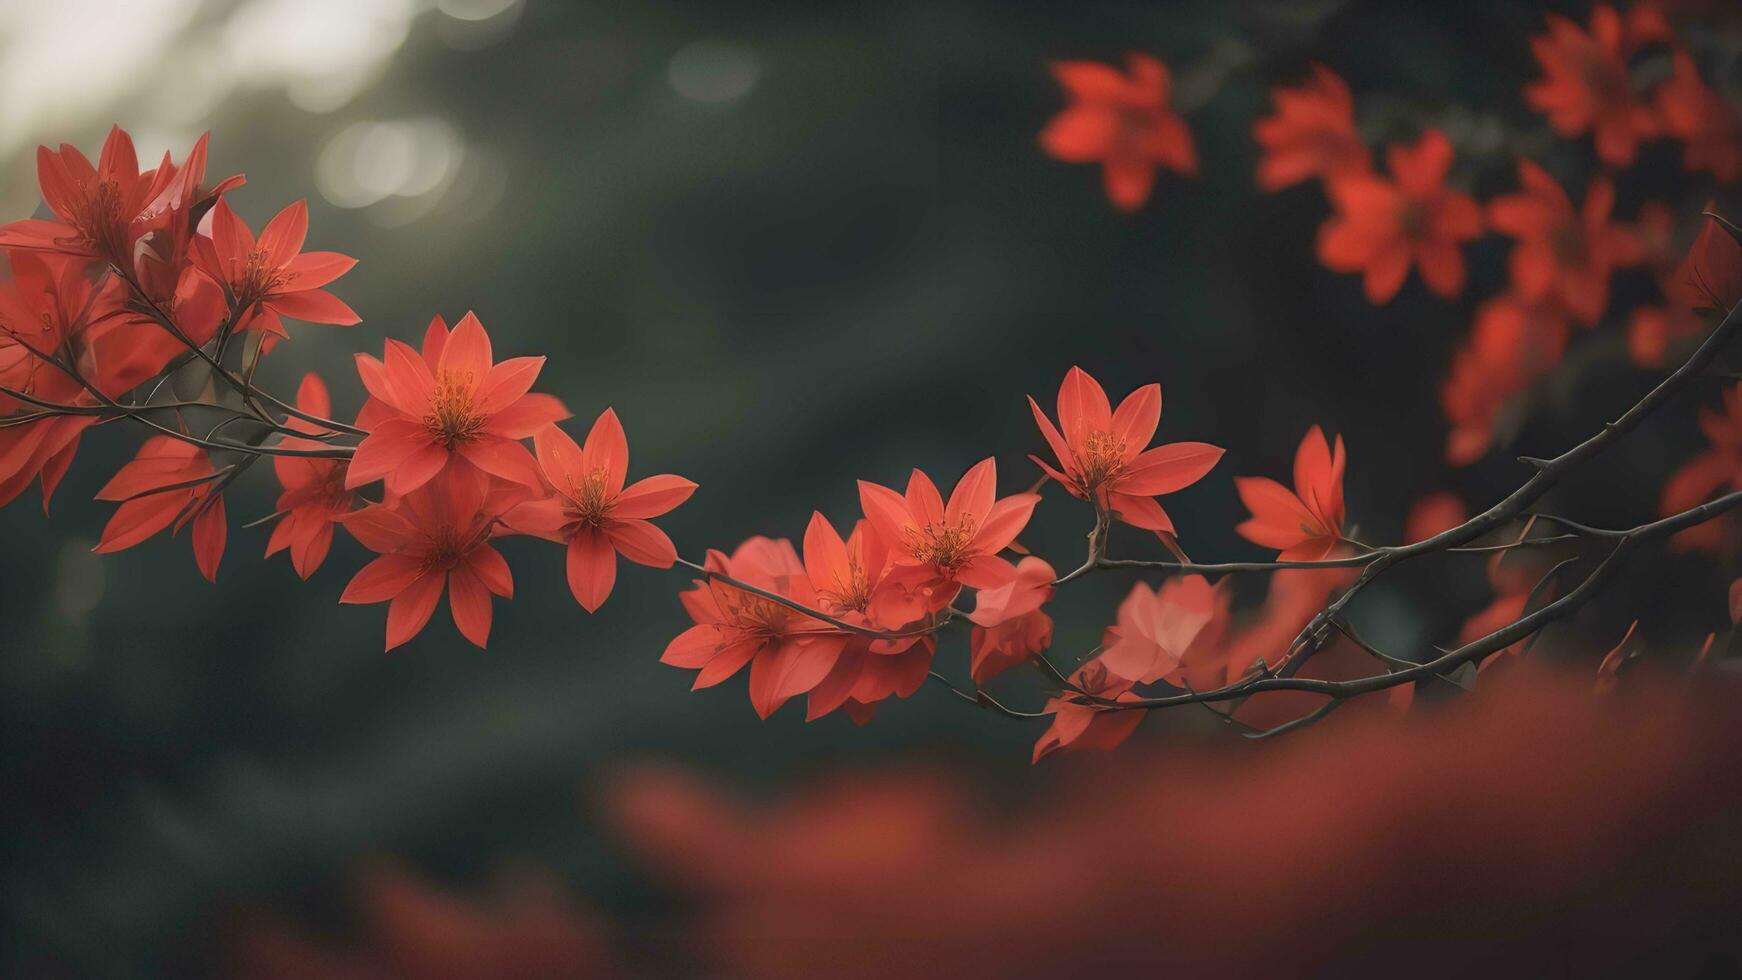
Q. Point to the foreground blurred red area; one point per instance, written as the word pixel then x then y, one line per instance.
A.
pixel 523 928
pixel 1530 830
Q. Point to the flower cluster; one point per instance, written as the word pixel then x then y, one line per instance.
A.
pixel 146 285
pixel 1563 255
pixel 144 275
pixel 852 622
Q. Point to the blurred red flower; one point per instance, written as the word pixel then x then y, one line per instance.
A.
pixel 1563 253
pixel 1717 470
pixel 1513 342
pixel 526 928
pixel 1709 127
pixel 1122 121
pixel 1311 134
pixel 1500 836
pixel 1433 513
pixel 1382 225
pixel 1585 87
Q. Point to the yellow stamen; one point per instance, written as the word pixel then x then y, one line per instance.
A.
pixel 452 416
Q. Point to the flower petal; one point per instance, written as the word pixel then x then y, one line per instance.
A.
pixel 411 609
pixel 385 450
pixel 652 496
pixel 642 543
pixel 506 382
pixel 467 351
pixel 469 602
pixel 382 579
pixel 592 568
pixel 607 448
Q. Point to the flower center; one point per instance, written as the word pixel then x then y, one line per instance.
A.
pixel 448 545
pixel 452 417
pixel 1100 459
pixel 1412 221
pixel 1137 130
pixel 445 550
pixel 332 487
pixel 1568 244
pixel 98 217
pixel 1606 78
pixel 943 546
pixel 258 278
pixel 851 592
pixel 753 613
pixel 589 502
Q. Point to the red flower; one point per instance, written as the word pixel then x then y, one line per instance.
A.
pixel 1561 252
pixel 454 400
pixel 1585 87
pixel 1156 628
pixel 1123 122
pixel 1699 117
pixel 314 496
pixel 958 543
pixel 170 482
pixel 34 319
pixel 878 677
pixel 438 535
pixel 789 652
pixel 54 308
pixel 51 301
pixel 1311 134
pixel 1009 626
pixel 1513 343
pixel 1307 524
pixel 1102 456
pixel 42 450
pixel 594 512
pixel 1717 470
pixel 96 205
pixel 1227 650
pixel 854 581
pixel 1709 278
pixel 163 243
pixel 1382 225
pixel 273 277
pixel 847 573
pixel 114 211
pixel 1078 726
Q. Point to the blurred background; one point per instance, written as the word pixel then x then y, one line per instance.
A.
pixel 793 245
